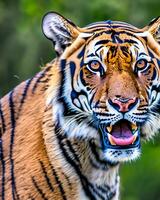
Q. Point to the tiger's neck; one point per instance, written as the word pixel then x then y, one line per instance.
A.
pixel 79 159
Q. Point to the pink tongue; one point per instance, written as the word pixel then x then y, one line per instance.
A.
pixel 121 134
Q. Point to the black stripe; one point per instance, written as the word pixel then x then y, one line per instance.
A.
pixel 130 41
pixel 102 42
pixel 41 75
pixel 59 183
pixel 97 165
pixel 15 195
pixel 107 190
pixel 96 155
pixel 99 114
pixel 154 74
pixel 72 70
pixel 2 119
pixel 126 27
pixel 81 53
pixel 69 145
pixel 104 189
pixel 97 193
pixel 67 179
pixel 24 94
pixel 117 33
pixel 70 160
pixel 3 170
pixel 46 176
pixel 40 191
pixel 62 65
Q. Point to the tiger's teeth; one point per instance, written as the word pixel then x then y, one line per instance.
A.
pixel 134 127
pixel 109 129
pixel 135 137
pixel 110 139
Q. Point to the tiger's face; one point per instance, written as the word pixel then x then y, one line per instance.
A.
pixel 110 86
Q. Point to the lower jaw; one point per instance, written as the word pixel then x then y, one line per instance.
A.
pixel 115 153
pixel 122 155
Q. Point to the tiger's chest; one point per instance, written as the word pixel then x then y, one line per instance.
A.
pixel 94 190
pixel 97 195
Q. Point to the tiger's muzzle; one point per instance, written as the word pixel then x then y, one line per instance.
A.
pixel 120 136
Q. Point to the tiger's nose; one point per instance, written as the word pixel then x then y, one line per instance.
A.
pixel 123 104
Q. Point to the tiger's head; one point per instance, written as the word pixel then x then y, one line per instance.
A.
pixel 109 90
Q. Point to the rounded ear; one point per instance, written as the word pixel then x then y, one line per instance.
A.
pixel 154 28
pixel 60 30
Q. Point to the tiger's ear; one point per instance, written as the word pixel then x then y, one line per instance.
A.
pixel 154 28
pixel 60 30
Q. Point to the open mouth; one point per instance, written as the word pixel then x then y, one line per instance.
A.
pixel 121 135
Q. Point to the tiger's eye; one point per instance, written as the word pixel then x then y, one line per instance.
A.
pixel 94 65
pixel 141 63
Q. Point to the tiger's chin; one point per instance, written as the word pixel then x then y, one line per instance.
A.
pixel 120 142
pixel 122 155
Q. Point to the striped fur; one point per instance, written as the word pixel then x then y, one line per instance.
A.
pixel 50 147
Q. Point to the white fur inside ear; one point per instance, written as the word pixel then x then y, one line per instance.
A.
pixel 55 28
pixel 53 24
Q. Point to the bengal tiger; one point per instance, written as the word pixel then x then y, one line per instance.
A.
pixel 65 131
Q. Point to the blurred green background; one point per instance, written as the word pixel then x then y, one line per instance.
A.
pixel 24 49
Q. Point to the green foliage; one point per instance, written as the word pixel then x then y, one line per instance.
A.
pixel 24 49
pixel 140 179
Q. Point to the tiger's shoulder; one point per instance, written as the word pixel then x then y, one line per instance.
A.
pixel 25 99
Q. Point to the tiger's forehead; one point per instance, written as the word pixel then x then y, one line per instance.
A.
pixel 107 40
pixel 115 44
pixel 113 33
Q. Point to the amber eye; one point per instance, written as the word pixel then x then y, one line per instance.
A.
pixel 96 67
pixel 141 64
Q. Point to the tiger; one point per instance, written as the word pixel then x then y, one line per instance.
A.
pixel 65 131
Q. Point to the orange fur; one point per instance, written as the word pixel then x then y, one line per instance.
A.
pixel 29 148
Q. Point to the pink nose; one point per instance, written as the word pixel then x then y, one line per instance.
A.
pixel 123 104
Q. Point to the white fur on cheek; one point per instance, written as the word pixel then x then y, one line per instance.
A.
pixel 79 130
pixel 151 127
pixel 152 124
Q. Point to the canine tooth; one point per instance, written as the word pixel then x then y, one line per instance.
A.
pixel 109 128
pixel 134 127
pixel 135 137
pixel 110 139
